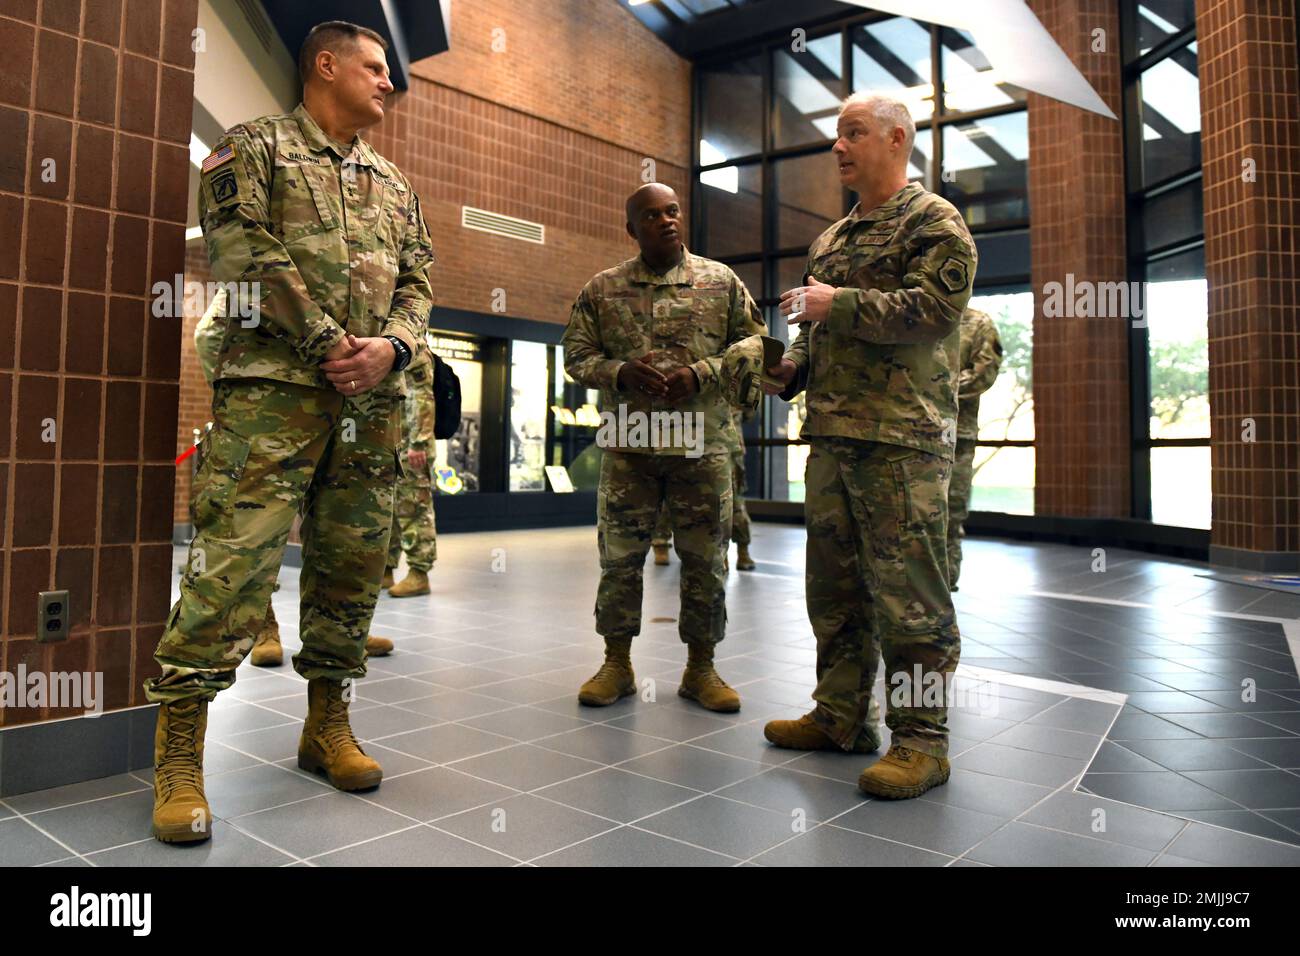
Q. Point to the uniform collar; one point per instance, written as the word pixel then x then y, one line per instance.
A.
pixel 316 139
pixel 891 208
pixel 680 274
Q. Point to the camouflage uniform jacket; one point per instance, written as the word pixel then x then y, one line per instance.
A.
pixel 883 366
pixel 981 357
pixel 418 406
pixel 334 235
pixel 688 316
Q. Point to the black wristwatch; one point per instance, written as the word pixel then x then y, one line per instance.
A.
pixel 403 356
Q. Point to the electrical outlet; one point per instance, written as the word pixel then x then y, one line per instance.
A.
pixel 53 616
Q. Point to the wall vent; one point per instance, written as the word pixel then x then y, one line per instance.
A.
pixel 261 26
pixel 499 225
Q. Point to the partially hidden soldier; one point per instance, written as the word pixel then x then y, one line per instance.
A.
pixel 650 334
pixel 878 355
pixel 740 532
pixel 981 357
pixel 328 254
pixel 414 528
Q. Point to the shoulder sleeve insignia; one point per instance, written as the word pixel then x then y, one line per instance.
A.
pixel 224 155
pixel 224 185
pixel 954 275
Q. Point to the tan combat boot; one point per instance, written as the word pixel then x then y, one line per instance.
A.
pixel 614 680
pixel 661 553
pixel 328 745
pixel 378 646
pixel 267 651
pixel 702 684
pixel 180 809
pixel 415 582
pixel 743 561
pixel 387 583
pixel 806 734
pixel 903 773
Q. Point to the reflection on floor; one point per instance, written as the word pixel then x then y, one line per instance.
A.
pixel 1118 733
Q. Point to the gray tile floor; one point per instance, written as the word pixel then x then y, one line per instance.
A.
pixel 490 760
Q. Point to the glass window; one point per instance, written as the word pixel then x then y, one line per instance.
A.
pixel 969 80
pixel 1177 316
pixel 1180 486
pixel 731 110
pixel 575 416
pixel 456 463
pixel 1171 116
pixel 1007 408
pixel 808 198
pixel 751 274
pixel 806 91
pixel 984 168
pixel 789 273
pixel 893 56
pixel 1003 480
pixel 528 401
pixel 1158 20
pixel 1174 216
pixel 733 212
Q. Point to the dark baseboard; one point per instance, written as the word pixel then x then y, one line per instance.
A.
pixel 1264 561
pixel 59 752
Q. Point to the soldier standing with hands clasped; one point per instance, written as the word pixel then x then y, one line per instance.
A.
pixel 878 353
pixel 650 334
pixel 306 409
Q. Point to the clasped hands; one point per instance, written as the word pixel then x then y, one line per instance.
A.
pixel 355 365
pixel 639 375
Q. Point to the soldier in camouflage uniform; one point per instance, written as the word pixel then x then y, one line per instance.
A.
pixel 740 533
pixel 306 410
pixel 650 334
pixel 981 357
pixel 414 530
pixel 878 353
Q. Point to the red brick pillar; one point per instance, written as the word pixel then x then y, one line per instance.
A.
pixel 1250 110
pixel 1076 201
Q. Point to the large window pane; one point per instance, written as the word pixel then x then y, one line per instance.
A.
pixel 1173 217
pixel 806 90
pixel 1007 408
pixel 1180 486
pixel 1158 20
pixel 733 211
pixel 751 274
pixel 789 273
pixel 970 81
pixel 985 166
pixel 575 416
pixel 1004 480
pixel 808 198
pixel 1171 116
pixel 1177 319
pixel 528 402
pixel 731 110
pixel 893 56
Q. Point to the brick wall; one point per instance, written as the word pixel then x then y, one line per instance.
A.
pixel 102 89
pixel 1076 194
pixel 1250 107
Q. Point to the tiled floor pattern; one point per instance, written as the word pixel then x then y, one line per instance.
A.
pixel 490 760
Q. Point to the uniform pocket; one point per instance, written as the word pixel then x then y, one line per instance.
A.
pixel 224 456
pixel 302 199
pixel 921 480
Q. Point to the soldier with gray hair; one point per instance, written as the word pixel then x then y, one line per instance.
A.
pixel 877 353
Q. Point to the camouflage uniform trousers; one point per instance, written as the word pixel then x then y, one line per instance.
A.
pixel 697 495
pixel 278 448
pixel 963 468
pixel 877 581
pixel 414 530
pixel 739 516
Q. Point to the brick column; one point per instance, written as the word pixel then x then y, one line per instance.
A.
pixel 1250 104
pixel 1076 201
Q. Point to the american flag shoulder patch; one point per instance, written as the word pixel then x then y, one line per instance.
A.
pixel 223 155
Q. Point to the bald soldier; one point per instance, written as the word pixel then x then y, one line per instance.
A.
pixel 877 353
pixel 981 357
pixel 328 253
pixel 650 334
